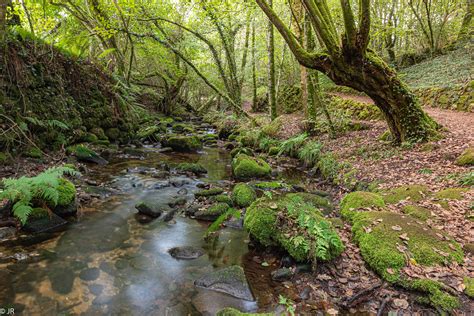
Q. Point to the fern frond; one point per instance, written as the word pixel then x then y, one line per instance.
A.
pixel 22 211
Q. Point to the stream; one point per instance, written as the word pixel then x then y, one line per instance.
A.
pixel 106 262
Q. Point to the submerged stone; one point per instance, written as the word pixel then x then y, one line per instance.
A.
pixel 186 252
pixel 230 280
pixel 148 210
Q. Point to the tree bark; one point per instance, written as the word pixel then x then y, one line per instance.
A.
pixel 254 71
pixel 465 33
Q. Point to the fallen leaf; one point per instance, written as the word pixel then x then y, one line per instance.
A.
pixel 390 271
pixel 404 237
pixel 396 227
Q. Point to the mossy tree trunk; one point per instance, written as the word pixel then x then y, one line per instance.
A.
pixel 271 69
pixel 465 32
pixel 348 62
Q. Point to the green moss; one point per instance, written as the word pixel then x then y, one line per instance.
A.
pixel 34 152
pixel 359 199
pixel 4 158
pixel 271 185
pixel 195 168
pixel 222 198
pixel 469 283
pixel 99 132
pixel 81 152
pixel 466 158
pixel 386 136
pixel 273 128
pixel 233 312
pixel 435 294
pixel 451 194
pixel 89 138
pixel 378 237
pixel 417 212
pixel 243 195
pixel 273 151
pixel 319 202
pixel 183 143
pixel 295 225
pixel 113 133
pixel 67 192
pixel 214 211
pixel 246 167
pixel 241 150
pixel 210 192
pixel 145 132
pixel 413 192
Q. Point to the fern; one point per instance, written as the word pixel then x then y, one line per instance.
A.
pixel 310 153
pixel 24 191
pixel 290 146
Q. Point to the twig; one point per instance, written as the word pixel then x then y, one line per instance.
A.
pixel 383 304
pixel 354 299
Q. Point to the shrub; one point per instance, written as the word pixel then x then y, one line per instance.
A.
pixel 290 146
pixel 328 167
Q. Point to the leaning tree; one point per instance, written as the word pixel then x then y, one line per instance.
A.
pixel 347 60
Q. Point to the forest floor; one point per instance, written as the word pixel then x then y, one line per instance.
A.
pixel 379 162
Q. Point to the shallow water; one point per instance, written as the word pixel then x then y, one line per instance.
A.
pixel 108 263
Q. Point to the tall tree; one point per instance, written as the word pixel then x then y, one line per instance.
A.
pixel 348 61
pixel 271 68
pixel 466 31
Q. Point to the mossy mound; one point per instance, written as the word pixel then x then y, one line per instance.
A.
pixel 360 199
pixel 183 128
pixel 298 227
pixel 195 168
pixel 67 192
pixel 272 129
pixel 466 158
pixel 417 212
pixel 209 192
pixel 85 154
pixel 380 236
pixel 451 194
pixel 183 143
pixel 435 294
pixel 321 203
pixel 234 312
pixel 246 167
pixel 414 192
pixel 469 283
pixel 271 185
pixel 241 150
pixel 212 213
pixel 243 195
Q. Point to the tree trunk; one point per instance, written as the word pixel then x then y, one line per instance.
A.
pixel 254 72
pixel 465 33
pixel 271 69
pixel 404 115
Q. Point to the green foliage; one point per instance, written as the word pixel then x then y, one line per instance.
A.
pixel 466 158
pixel 243 195
pixel 469 283
pixel 48 186
pixel 209 192
pixel 436 295
pixel 290 146
pixel 288 304
pixel 328 166
pixel 467 179
pixel 310 153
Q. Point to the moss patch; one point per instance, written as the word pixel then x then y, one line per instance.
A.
pixel 435 294
pixel 246 167
pixel 378 236
pixel 295 225
pixel 243 195
pixel 417 212
pixel 469 283
pixel 183 143
pixel 213 212
pixel 191 167
pixel 321 203
pixel 222 198
pixel 360 199
pixel 451 194
pixel 271 185
pixel 67 192
pixel 413 192
pixel 234 312
pixel 466 158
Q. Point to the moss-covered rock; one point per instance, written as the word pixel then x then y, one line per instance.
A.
pixel 34 152
pixel 85 154
pixel 212 213
pixel 99 132
pixel 295 225
pixel 209 192
pixel 469 283
pixel 222 198
pixel 271 185
pixel 466 158
pixel 273 151
pixel 67 192
pixel 435 294
pixel 358 200
pixel 243 195
pixel 195 168
pixel 246 167
pixel 183 128
pixel 321 203
pixel 241 150
pixel 113 134
pixel 229 311
pixel 380 234
pixel 416 211
pixel 451 194
pixel 414 192
pixel 183 143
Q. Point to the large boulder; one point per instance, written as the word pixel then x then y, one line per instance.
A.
pixel 246 167
pixel 183 143
pixel 293 223
pixel 230 280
